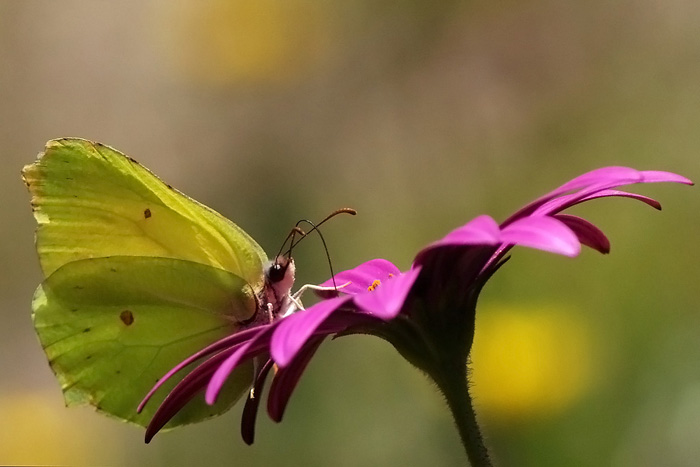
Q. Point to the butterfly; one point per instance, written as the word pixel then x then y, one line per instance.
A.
pixel 138 276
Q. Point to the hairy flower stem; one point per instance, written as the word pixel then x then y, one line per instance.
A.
pixel 440 349
pixel 455 388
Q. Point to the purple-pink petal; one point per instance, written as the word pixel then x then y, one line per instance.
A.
pixel 594 177
pixel 542 233
pixel 587 233
pixel 294 331
pixel 656 176
pixel 617 175
pixel 246 350
pixel 225 343
pixel 362 276
pixel 623 194
pixel 183 392
pixel 482 230
pixel 250 409
pixel 563 202
pixel 287 378
pixel 590 183
pixel 386 300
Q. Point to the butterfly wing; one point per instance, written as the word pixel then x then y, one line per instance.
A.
pixel 92 201
pixel 139 277
pixel 111 327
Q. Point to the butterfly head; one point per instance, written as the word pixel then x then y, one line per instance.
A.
pixel 280 272
pixel 279 279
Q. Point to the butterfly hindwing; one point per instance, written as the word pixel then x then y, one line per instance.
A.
pixel 112 326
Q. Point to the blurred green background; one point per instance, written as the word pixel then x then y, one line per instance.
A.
pixel 421 115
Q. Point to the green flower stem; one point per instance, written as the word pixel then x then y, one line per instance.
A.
pixel 456 392
pixel 440 348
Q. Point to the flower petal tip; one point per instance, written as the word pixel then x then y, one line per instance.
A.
pixel 653 176
pixel 211 395
pixel 587 233
pixel 148 437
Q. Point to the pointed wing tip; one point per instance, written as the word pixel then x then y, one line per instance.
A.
pixel 52 145
pixel 66 139
pixel 67 142
pixel 55 144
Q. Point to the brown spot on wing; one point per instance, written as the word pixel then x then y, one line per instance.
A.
pixel 146 213
pixel 127 317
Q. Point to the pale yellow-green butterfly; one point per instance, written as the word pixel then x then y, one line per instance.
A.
pixel 138 277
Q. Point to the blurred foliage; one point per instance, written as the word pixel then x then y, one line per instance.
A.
pixel 421 115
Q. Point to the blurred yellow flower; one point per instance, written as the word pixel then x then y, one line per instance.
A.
pixel 245 41
pixel 529 363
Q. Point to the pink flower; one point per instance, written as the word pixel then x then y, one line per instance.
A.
pixel 427 312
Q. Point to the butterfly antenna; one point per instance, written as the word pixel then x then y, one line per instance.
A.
pixel 325 247
pixel 315 227
pixel 290 238
pixel 330 216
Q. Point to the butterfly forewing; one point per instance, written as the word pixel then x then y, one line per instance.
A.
pixel 93 201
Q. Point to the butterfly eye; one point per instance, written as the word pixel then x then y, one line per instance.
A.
pixel 277 271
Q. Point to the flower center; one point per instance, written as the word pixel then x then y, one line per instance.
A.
pixel 374 285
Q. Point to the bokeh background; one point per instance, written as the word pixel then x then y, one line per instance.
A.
pixel 421 115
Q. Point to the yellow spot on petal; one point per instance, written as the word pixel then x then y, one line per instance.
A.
pixel 529 363
pixel 374 285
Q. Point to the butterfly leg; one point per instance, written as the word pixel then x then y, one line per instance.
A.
pixel 296 297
